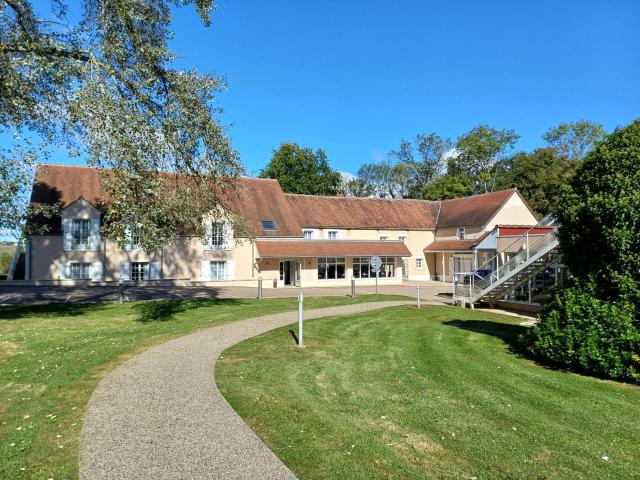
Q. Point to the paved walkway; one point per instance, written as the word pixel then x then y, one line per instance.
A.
pixel 13 294
pixel 161 416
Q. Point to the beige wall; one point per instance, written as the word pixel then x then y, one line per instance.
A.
pixel 513 212
pixel 451 233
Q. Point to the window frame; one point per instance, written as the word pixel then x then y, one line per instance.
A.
pixel 141 270
pixel 268 228
pixel 383 237
pixel 326 264
pixel 332 234
pixel 461 233
pixel 76 267
pixel 305 232
pixel 78 233
pixel 419 263
pixel 217 235
pixel 217 277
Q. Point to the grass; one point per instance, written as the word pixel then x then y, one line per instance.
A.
pixel 436 393
pixel 52 357
pixel 6 255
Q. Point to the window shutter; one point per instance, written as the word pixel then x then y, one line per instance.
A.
pixel 154 271
pixel 96 271
pixel 64 271
pixel 229 243
pixel 66 234
pixel 207 242
pixel 128 245
pixel 230 270
pixel 205 270
pixel 94 234
pixel 125 271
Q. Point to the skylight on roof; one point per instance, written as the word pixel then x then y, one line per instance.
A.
pixel 268 224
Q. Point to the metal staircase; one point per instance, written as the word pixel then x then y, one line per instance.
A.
pixel 529 255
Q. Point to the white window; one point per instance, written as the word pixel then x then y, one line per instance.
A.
pixel 308 234
pixel 217 270
pixel 402 238
pixel 384 237
pixel 419 263
pixel 80 271
pixel 217 236
pixel 331 268
pixel 332 234
pixel 139 271
pixel 80 229
pixel 461 233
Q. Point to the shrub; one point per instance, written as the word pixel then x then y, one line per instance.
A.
pixel 578 331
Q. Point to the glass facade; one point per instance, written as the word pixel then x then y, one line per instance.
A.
pixel 362 267
pixel 331 268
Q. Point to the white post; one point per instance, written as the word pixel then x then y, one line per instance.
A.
pixel 377 275
pixel 418 297
pixel 527 245
pixel 300 302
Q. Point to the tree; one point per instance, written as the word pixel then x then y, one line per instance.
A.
pixel 479 154
pixel 539 176
pixel 448 186
pixel 105 88
pixel 301 170
pixel 421 161
pixel 594 323
pixel 407 170
pixel 573 140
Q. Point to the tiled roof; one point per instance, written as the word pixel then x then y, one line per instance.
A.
pixel 254 199
pixel 330 248
pixel 354 212
pixel 452 245
pixel 472 211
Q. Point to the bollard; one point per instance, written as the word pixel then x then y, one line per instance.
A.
pixel 121 291
pixel 259 287
pixel 300 302
pixel 353 287
pixel 418 297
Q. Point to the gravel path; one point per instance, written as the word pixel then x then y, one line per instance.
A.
pixel 161 416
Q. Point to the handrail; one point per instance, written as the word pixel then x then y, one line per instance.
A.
pixel 547 221
pixel 14 261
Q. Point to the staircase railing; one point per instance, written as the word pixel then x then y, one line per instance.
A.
pixel 521 250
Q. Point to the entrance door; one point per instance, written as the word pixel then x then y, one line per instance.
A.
pixel 286 270
pixel 296 273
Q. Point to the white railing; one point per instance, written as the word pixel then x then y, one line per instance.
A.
pixel 522 251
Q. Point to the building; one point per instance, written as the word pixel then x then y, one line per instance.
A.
pixel 298 240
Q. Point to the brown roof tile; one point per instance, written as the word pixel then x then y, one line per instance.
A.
pixel 353 212
pixel 451 246
pixel 477 210
pixel 330 248
pixel 255 199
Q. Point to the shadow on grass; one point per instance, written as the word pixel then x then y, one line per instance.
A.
pixel 507 332
pixel 164 310
pixel 49 310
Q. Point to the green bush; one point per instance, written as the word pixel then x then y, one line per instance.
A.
pixel 576 330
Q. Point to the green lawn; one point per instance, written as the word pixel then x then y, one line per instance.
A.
pixel 435 393
pixel 52 356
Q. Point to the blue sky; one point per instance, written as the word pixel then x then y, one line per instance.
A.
pixel 355 77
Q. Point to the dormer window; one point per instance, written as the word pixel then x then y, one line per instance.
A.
pixel 332 235
pixel 461 233
pixel 217 236
pixel 308 234
pixel 268 224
